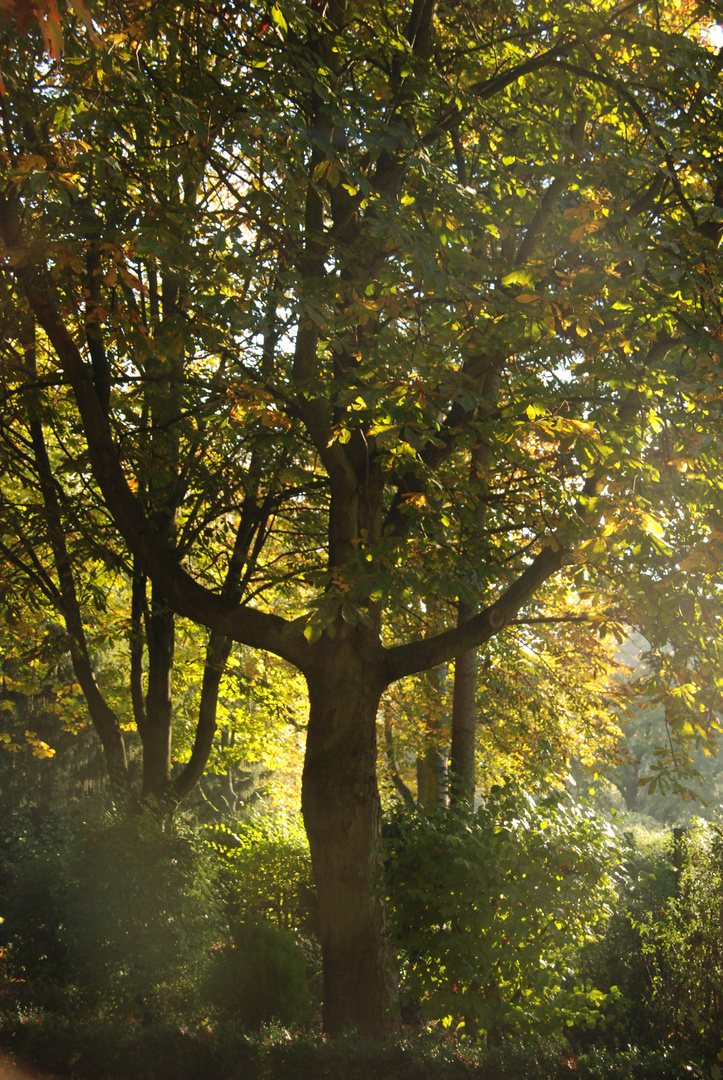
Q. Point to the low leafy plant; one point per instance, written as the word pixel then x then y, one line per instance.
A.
pixel 33 909
pixel 265 873
pixel 258 977
pixel 663 948
pixel 114 1051
pixel 488 910
pixel 266 870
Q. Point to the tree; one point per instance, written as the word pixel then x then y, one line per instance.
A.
pixel 547 699
pixel 439 275
pixel 56 541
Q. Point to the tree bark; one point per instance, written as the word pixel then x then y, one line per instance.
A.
pixel 342 814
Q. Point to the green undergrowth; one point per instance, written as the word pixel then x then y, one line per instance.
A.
pixel 104 1050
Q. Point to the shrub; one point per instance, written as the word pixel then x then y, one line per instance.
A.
pixel 33 910
pixel 118 915
pixel 267 871
pixel 663 948
pixel 260 977
pixel 113 1051
pixel 266 874
pixel 682 945
pixel 618 958
pixel 489 908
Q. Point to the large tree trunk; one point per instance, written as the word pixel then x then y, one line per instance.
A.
pixel 342 814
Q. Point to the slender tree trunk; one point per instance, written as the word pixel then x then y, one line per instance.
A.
pixel 399 784
pixel 136 646
pixel 629 791
pixel 464 721
pixel 226 779
pixel 342 814
pixel 105 721
pixel 217 653
pixel 430 765
pixel 430 778
pixel 158 725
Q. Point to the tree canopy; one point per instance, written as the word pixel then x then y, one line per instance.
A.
pixel 334 317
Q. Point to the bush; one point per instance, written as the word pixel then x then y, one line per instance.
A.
pixel 113 1051
pixel 663 948
pixel 267 871
pixel 682 945
pixel 117 915
pixel 260 977
pixel 488 910
pixel 618 958
pixel 33 907
pixel 266 874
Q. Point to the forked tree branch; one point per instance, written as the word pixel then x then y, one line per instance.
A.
pixel 427 653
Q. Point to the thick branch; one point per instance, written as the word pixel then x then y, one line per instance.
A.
pixel 422 655
pixel 419 28
pixel 488 88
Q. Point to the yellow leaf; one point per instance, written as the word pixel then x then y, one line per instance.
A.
pixel 320 170
pixel 582 213
pixel 278 17
pixel 31 163
pixel 577 234
pixel 527 298
pixel 333 174
pixel 651 525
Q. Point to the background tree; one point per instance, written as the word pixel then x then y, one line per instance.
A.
pixel 547 699
pixel 386 237
pixel 56 541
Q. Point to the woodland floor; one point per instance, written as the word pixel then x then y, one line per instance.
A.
pixel 9 1070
